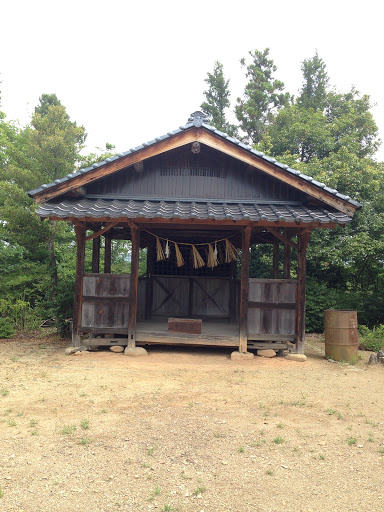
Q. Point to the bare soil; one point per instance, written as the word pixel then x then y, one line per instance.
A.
pixel 187 430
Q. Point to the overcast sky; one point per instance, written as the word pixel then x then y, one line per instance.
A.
pixel 130 71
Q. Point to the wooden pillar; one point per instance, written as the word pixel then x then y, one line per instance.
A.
pixel 96 255
pixel 149 281
pixel 244 288
pixel 76 325
pixel 133 284
pixel 107 255
pixel 303 240
pixel 276 259
pixel 232 302
pixel 287 260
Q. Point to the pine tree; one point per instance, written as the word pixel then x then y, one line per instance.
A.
pixel 263 96
pixel 217 99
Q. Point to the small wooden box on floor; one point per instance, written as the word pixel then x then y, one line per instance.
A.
pixel 184 325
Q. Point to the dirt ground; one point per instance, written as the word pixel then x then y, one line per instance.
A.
pixel 187 430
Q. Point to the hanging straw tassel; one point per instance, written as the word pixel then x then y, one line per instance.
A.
pixel 212 257
pixel 159 250
pixel 230 252
pixel 179 257
pixel 197 259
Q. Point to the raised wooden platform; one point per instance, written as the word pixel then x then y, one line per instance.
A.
pixel 213 334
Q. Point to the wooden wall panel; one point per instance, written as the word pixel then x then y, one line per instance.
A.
pixel 272 307
pixel 179 174
pixel 105 301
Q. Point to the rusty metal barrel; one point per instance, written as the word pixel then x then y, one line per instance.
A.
pixel 341 338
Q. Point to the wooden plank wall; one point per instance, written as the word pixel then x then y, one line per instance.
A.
pixel 272 308
pixel 180 173
pixel 105 301
pixel 200 297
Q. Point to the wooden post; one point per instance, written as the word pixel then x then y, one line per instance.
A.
pixel 96 255
pixel 276 259
pixel 76 325
pixel 300 295
pixel 244 288
pixel 135 236
pixel 107 255
pixel 232 293
pixel 149 281
pixel 287 260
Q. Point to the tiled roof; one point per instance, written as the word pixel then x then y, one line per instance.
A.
pixel 190 210
pixel 197 121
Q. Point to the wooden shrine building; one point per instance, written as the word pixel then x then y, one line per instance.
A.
pixel 193 198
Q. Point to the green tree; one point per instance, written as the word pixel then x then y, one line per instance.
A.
pixel 263 96
pixel 46 150
pixel 313 93
pixel 217 99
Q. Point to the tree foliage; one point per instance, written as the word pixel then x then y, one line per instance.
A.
pixel 263 96
pixel 217 99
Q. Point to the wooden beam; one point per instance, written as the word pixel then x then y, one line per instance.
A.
pixel 276 233
pixel 101 231
pixel 301 282
pixel 107 255
pixel 244 288
pixel 133 286
pixel 144 223
pixel 96 255
pixel 275 271
pixel 76 325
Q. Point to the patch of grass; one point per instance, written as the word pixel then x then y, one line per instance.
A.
pixel 218 435
pixel 334 412
pixel 84 424
pixel 7 411
pixel 34 433
pixel 269 472
pixel 1 493
pixel 321 457
pixel 85 441
pixel 279 440
pixel 369 422
pixel 43 347
pixel 4 392
pixel 370 438
pixel 155 493
pixel 151 450
pixel 381 451
pixel 280 425
pixel 68 429
pixel 167 508
pixel 351 441
pixel 33 423
pixel 12 423
pixel 299 403
pixel 14 359
pixel 199 490
pixel 241 449
pixel 186 477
